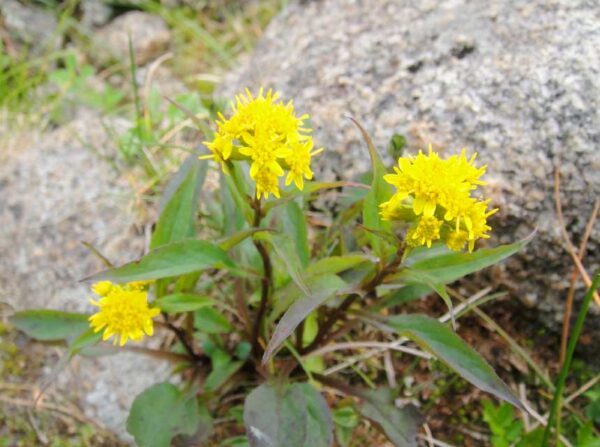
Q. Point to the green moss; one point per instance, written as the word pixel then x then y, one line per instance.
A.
pixel 22 366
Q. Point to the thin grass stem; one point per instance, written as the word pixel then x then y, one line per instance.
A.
pixel 562 378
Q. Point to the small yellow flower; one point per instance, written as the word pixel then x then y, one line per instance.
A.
pixel 389 210
pixel 266 183
pixel 123 311
pixel 102 288
pixel 476 222
pixel 298 161
pixel 456 240
pixel 139 285
pixel 263 153
pixel 439 193
pixel 266 133
pixel 425 232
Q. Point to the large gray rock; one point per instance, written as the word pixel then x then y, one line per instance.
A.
pixel 31 26
pixel 149 36
pixel 56 191
pixel 517 81
pixel 94 13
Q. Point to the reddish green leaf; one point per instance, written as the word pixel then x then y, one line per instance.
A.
pixel 441 341
pixel 290 415
pixel 300 309
pixel 398 424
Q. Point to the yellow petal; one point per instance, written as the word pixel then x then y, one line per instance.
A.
pixel 418 205
pixel 149 328
pixel 429 209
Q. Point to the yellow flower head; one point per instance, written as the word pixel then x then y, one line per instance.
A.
pixel 456 240
pixel 438 193
pixel 266 133
pixel 123 311
pixel 424 232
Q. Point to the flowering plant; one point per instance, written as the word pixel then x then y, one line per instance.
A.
pixel 257 297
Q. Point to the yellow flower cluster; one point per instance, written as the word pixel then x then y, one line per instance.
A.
pixel 266 133
pixel 124 311
pixel 437 194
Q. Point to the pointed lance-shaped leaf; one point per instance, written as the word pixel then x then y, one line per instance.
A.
pixel 442 342
pixel 169 260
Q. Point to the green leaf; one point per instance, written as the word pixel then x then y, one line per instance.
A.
pixel 503 425
pixel 160 413
pixel 586 436
pixel 174 259
pixel 183 302
pixel 210 321
pixel 533 438
pixel 335 264
pixel 294 224
pixel 402 295
pixel 221 374
pixel 291 415
pixel 85 340
pixel 398 424
pixel 236 238
pixel 300 309
pixel 311 328
pixel 236 211
pixel 243 350
pixel 345 416
pixel 283 246
pixel 346 419
pixel 222 366
pixel 451 266
pixel 183 284
pixel 380 192
pixel 441 341
pixel 238 187
pixel 176 221
pixel 396 146
pixel 416 277
pixel 49 325
pixel 236 441
pixel 285 297
pixel 593 408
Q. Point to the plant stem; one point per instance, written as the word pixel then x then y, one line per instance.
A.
pixel 266 281
pixel 180 333
pixel 183 339
pixel 323 335
pixel 560 383
pixel 300 335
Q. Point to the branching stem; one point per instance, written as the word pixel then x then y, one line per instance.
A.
pixel 267 280
pixel 183 339
pixel 324 334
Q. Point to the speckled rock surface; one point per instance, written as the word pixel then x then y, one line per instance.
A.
pixel 95 13
pixel 517 81
pixel 31 25
pixel 149 37
pixel 54 193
